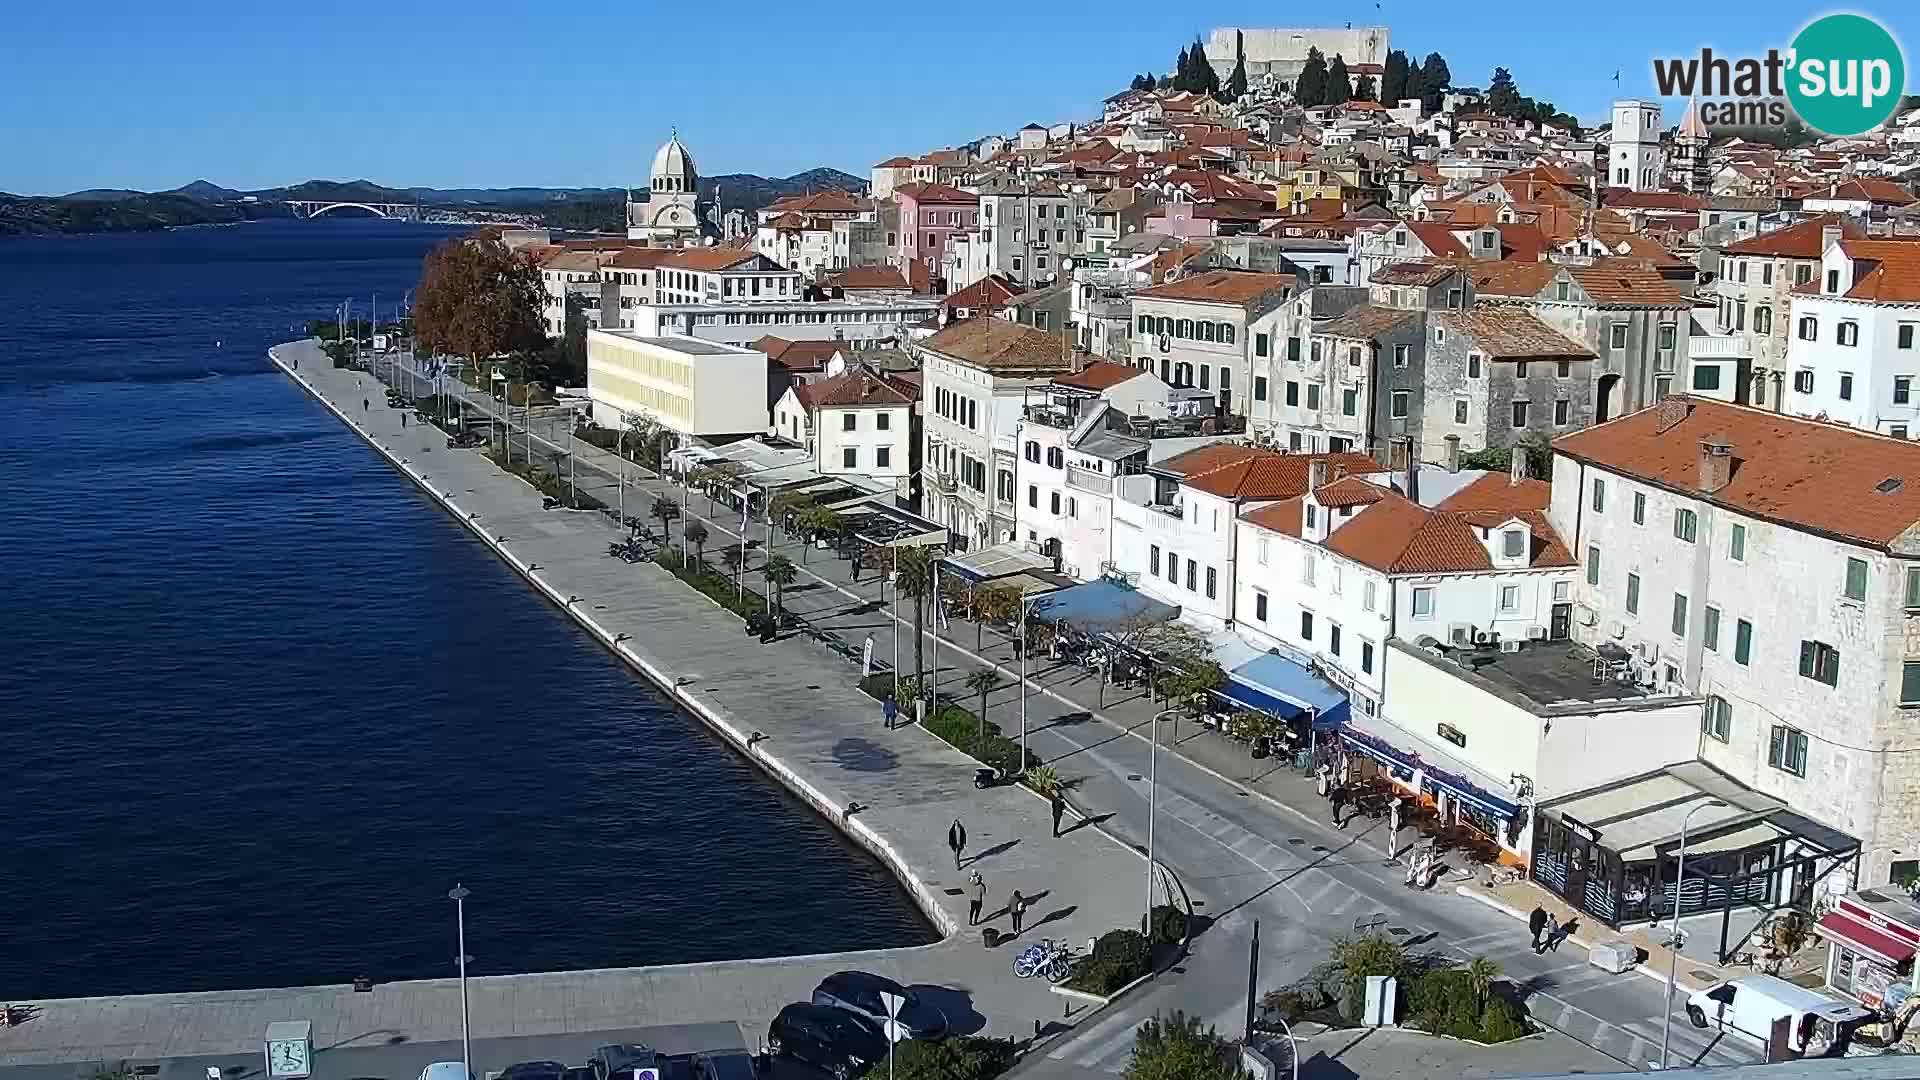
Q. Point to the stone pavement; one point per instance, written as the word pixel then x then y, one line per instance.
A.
pixel 822 738
pixel 1247 838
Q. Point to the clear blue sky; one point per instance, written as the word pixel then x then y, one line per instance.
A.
pixel 497 93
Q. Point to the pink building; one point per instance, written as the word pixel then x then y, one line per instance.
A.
pixel 929 215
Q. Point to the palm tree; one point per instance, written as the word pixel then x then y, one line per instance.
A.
pixel 913 579
pixel 735 561
pixel 695 533
pixel 1481 974
pixel 666 510
pixel 984 682
pixel 780 573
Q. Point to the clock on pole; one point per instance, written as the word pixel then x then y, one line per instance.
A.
pixel 290 1049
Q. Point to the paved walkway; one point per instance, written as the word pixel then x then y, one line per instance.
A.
pixel 1247 838
pixel 823 739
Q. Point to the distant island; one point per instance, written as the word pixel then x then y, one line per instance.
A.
pixel 205 203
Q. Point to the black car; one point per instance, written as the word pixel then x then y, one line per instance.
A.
pixel 723 1066
pixel 617 1061
pixel 858 992
pixel 820 1035
pixel 534 1070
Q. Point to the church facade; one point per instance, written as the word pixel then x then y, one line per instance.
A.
pixel 670 214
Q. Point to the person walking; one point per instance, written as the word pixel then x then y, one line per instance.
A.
pixel 403 420
pixel 1393 828
pixel 1548 929
pixel 957 840
pixel 976 897
pixel 1016 907
pixel 888 710
pixel 1561 931
pixel 1323 779
pixel 1537 922
pixel 1337 798
pixel 1058 804
pixel 364 405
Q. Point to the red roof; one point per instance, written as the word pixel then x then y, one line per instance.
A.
pixel 1801 241
pixel 1099 375
pixel 990 292
pixel 1266 474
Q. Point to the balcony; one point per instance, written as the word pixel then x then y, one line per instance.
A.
pixel 1083 480
pixel 945 483
pixel 1717 347
pixel 1049 415
pixel 1116 310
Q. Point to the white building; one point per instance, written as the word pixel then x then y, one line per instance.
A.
pixel 856 423
pixel 670 216
pixel 974 379
pixel 737 323
pixel 717 275
pixel 1199 331
pixel 692 387
pixel 1635 160
pixel 570 275
pixel 1853 357
pixel 1772 566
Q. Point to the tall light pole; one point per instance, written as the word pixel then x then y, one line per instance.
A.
pixel 1673 945
pixel 1023 682
pixel 458 894
pixel 1153 804
pixel 933 600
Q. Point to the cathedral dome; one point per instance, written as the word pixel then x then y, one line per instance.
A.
pixel 673 169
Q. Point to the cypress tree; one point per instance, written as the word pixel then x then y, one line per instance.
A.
pixel 1182 70
pixel 1363 88
pixel 1435 80
pixel 1237 82
pixel 1393 82
pixel 1310 89
pixel 1339 85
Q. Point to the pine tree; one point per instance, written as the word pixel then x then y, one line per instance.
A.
pixel 1363 88
pixel 1339 85
pixel 1393 83
pixel 1503 98
pixel 1310 89
pixel 1435 80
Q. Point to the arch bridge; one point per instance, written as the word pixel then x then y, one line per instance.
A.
pixel 312 208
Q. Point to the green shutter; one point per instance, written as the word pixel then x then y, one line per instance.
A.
pixel 1806 659
pixel 1910 683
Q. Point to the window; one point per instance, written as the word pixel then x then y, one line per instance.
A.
pixel 1333 638
pixel 1848 333
pixel 1633 594
pixel 1766 273
pixel 1349 402
pixel 1710 632
pixel 1742 642
pixel 1513 543
pixel 1473 365
pixel 1193 575
pixel 1313 396
pixel 1809 328
pixel 1312 520
pixel 1679 615
pixel 1401 355
pixel 1053 503
pixel 1617 336
pixel 1740 269
pixel 1787 750
pixel 1910 682
pixel 1639 508
pixel 1564 370
pixel 1033 496
pixel 1366 658
pixel 1213 581
pixel 1913 588
pixel 1593 565
pixel 883 457
pixel 1460 410
pixel 1056 458
pixel 1261 550
pixel 1259 388
pixel 1820 662
pixel 1293 392
pixel 1003 485
pixel 1902 389
pixel 1856 583
pixel 1898 431
pixel 1903 337
pixel 1367 597
pixel 850 457
pixel 1519 414
pixel 1562 409
pixel 1561 290
pixel 1833 281
pixel 1737 544
pixel 1306 626
pixel 1261 343
pixel 1520 370
pixel 883 421
pixel 1716 720
pixel 1762 320
pixel 1423 602
pixel 1846 386
pixel 1686 525
pixel 1397 404
pixel 1706 377
pixel 1802 274
pixel 1599 495
pixel 1509 598
pixel 1032 451
pixel 1153 560
pixel 849 422
pixel 1173 568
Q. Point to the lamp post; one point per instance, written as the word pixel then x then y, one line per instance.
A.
pixel 1023 688
pixel 458 894
pixel 1673 946
pixel 1153 803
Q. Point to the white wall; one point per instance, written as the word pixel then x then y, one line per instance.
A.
pixel 691 393
pixel 832 439
pixel 1874 362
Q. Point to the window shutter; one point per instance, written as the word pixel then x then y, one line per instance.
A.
pixel 1776 746
pixel 1806 659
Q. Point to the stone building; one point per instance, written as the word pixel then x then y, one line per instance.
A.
pixel 1497 376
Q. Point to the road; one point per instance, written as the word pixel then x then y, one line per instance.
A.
pixel 1266 853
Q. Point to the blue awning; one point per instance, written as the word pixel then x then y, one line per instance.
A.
pixel 1095 606
pixel 1285 687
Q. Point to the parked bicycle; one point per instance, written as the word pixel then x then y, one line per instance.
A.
pixel 1045 957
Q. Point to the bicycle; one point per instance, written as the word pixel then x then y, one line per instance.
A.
pixel 1046 957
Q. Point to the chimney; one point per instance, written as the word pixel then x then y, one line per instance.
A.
pixel 1517 470
pixel 1716 465
pixel 1316 474
pixel 1829 236
pixel 1670 412
pixel 1453 453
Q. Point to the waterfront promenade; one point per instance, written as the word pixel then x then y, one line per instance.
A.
pixel 823 739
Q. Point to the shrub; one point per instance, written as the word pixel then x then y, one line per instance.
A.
pixel 1119 957
pixel 1175 1047
pixel 1371 955
pixel 1169 925
pixel 1287 1004
pixel 963 1057
pixel 1501 1022
pixel 1044 779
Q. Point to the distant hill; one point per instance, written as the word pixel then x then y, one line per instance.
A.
pixel 205 202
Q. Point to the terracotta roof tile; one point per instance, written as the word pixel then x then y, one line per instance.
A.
pixel 1894 276
pixel 1438 238
pixel 1282 517
pixel 937 194
pixel 1513 279
pixel 1205 458
pixel 856 389
pixel 1819 476
pixel 1627 283
pixel 1099 375
pixel 1237 287
pixel 1497 491
pixel 1000 345
pixel 1368 321
pixel 1802 241
pixel 797 356
pixel 1425 274
pixel 712 258
pixel 990 292
pixel 869 277
pixel 1350 491
pixel 1398 536
pixel 1267 474
pixel 1505 332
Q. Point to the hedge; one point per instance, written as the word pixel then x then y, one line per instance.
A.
pixel 1119 957
pixel 959 727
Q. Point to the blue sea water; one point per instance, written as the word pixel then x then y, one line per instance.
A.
pixel 261 704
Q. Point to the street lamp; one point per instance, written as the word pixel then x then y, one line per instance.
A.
pixel 1673 945
pixel 458 894
pixel 1153 802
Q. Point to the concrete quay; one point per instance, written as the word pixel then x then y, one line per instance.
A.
pixel 822 739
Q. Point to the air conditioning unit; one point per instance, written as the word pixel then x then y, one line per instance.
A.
pixel 1616 629
pixel 1536 633
pixel 1584 615
pixel 1484 637
pixel 1512 645
pixel 1460 634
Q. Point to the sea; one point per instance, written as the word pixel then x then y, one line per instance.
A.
pixel 262 704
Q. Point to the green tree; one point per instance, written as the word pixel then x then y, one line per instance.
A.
pixel 1416 89
pixel 1360 957
pixel 1189 684
pixel 1503 98
pixel 1435 80
pixel 736 562
pixel 817 522
pixel 1182 70
pixel 983 682
pixel 780 573
pixel 1393 80
pixel 1339 83
pixel 1176 1047
pixel 666 510
pixel 994 604
pixel 1237 82
pixel 1205 79
pixel 961 1057
pixel 1310 89
pixel 695 533
pixel 1363 88
pixel 479 301
pixel 913 579
pixel 1481 973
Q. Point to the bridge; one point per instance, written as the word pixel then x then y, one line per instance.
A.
pixel 311 208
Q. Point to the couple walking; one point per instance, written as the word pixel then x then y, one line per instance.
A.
pixel 977 899
pixel 1548 933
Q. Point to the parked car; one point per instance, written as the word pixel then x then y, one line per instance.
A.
pixel 445 1070
pixel 617 1061
pixel 859 992
pixel 828 1038
pixel 533 1070
pixel 737 1065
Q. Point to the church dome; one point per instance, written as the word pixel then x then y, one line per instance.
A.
pixel 673 169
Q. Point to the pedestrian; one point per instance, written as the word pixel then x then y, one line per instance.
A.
pixel 957 840
pixel 1560 933
pixel 1551 928
pixel 1393 827
pixel 888 710
pixel 1537 922
pixel 1058 805
pixel 1016 907
pixel 1338 799
pixel 1323 779
pixel 403 419
pixel 364 405
pixel 1413 867
pixel 976 897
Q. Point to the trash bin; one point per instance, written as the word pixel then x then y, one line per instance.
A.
pixel 989 937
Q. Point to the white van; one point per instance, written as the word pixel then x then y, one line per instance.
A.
pixel 1750 1004
pixel 445 1070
